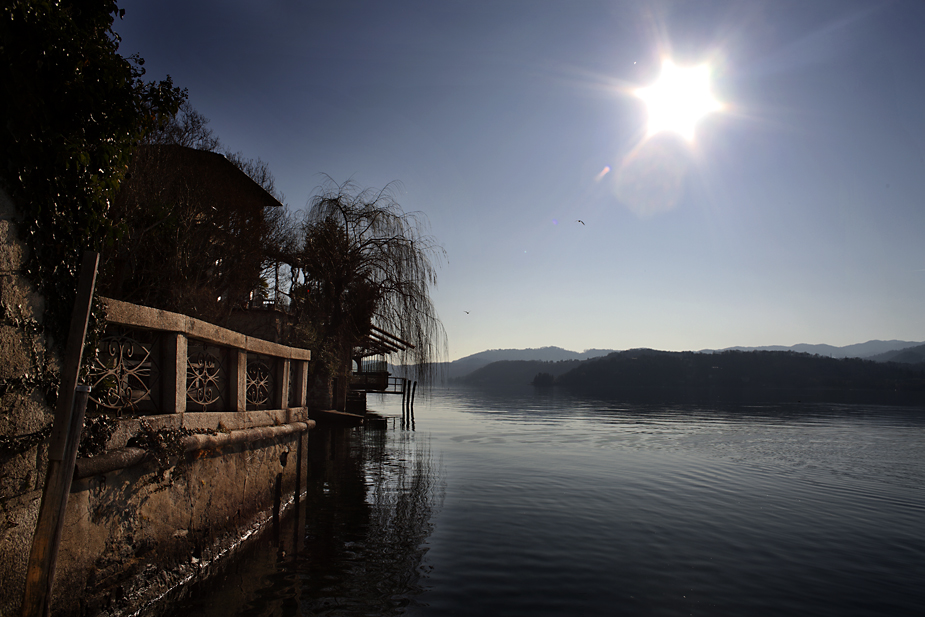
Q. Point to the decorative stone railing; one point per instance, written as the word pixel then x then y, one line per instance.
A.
pixel 157 362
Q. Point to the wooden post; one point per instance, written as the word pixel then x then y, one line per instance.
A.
pixel 411 407
pixel 403 408
pixel 65 478
pixel 62 452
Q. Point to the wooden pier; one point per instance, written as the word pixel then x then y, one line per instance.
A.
pixel 373 376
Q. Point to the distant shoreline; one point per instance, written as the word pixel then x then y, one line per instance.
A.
pixel 732 376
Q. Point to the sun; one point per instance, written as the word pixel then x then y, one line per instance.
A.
pixel 679 98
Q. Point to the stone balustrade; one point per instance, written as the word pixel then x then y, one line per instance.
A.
pixel 152 361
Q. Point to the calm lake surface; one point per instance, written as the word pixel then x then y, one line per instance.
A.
pixel 536 503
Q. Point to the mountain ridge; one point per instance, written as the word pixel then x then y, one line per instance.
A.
pixel 468 364
pixel 875 349
pixel 856 350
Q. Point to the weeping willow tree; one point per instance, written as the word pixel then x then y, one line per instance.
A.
pixel 364 262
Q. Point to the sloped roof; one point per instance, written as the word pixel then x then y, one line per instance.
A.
pixel 380 342
pixel 225 183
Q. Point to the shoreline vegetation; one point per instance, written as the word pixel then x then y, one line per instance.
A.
pixel 726 376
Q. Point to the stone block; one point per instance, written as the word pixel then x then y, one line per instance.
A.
pixel 18 516
pixel 218 481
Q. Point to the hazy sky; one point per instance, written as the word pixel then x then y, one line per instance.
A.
pixel 795 216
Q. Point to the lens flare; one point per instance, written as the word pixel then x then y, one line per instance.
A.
pixel 650 179
pixel 679 99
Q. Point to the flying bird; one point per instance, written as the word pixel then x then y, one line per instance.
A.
pixel 579 221
pixel 466 312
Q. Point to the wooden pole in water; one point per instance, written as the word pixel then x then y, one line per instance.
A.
pixel 411 407
pixel 62 452
pixel 400 384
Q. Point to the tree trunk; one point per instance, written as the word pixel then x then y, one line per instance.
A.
pixel 319 388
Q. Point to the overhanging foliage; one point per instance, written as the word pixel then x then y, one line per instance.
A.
pixel 72 110
pixel 365 262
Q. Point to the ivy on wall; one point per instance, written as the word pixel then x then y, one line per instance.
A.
pixel 71 111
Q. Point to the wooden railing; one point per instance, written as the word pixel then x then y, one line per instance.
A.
pixel 157 362
pixel 371 381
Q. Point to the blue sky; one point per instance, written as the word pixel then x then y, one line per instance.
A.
pixel 796 215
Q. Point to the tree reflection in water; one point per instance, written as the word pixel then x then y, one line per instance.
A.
pixel 370 505
pixel 371 495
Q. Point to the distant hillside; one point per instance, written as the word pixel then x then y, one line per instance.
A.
pixel 909 355
pixel 857 350
pixel 464 366
pixel 515 372
pixel 739 374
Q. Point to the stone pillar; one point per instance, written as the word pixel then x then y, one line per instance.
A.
pixel 237 380
pixel 282 383
pixel 300 383
pixel 173 384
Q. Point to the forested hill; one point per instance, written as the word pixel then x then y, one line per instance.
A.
pixel 464 367
pixel 515 372
pixel 909 355
pixel 646 371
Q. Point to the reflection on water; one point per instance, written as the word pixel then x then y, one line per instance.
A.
pixel 361 535
pixel 545 504
pixel 370 512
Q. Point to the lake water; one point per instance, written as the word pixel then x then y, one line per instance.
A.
pixel 536 503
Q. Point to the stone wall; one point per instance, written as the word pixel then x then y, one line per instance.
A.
pixel 23 412
pixel 137 525
pixel 133 534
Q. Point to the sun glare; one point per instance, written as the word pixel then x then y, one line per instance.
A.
pixel 679 98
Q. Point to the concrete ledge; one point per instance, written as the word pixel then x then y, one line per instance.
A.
pixel 127 314
pixel 203 421
pixel 127 457
pixel 111 461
